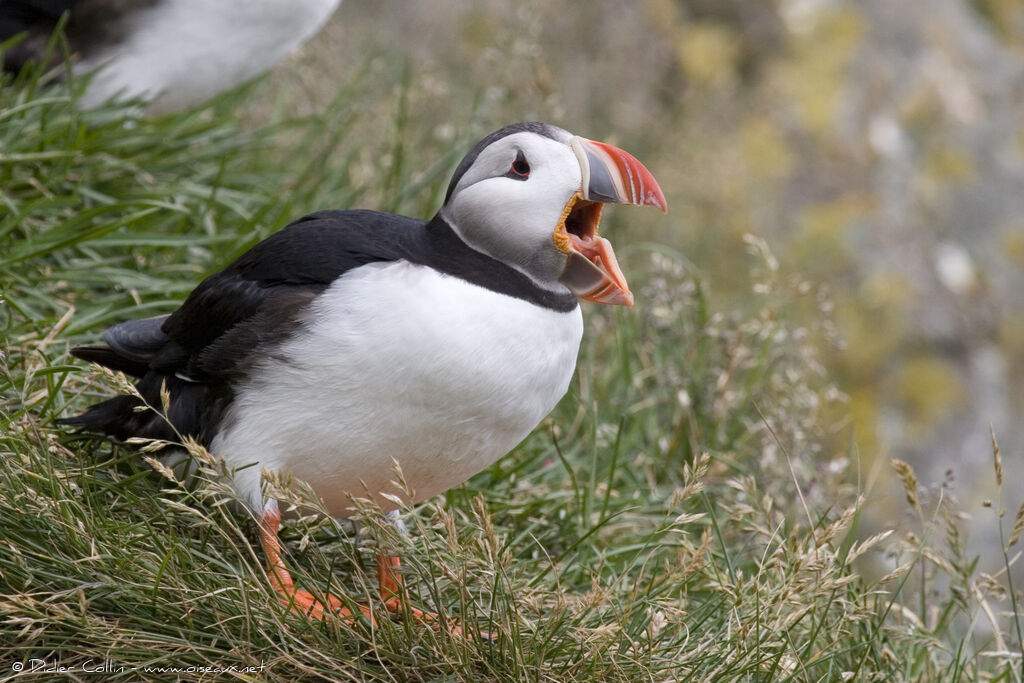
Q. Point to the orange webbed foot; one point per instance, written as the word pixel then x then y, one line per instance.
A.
pixel 309 605
pixel 396 599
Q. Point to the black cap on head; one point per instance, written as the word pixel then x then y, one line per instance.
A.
pixel 544 129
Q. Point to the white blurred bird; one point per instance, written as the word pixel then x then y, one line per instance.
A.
pixel 173 53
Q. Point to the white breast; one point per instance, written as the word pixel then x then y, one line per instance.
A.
pixel 187 51
pixel 400 362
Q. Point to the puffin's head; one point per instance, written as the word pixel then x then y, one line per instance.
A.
pixel 531 195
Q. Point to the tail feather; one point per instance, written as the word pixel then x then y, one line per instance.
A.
pixel 141 349
pixel 108 417
pixel 125 416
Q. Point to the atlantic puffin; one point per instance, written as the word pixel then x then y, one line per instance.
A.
pixel 172 53
pixel 352 339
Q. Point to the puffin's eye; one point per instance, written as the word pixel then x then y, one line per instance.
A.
pixel 520 169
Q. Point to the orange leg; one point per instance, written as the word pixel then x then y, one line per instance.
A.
pixel 281 581
pixel 392 591
pixel 394 595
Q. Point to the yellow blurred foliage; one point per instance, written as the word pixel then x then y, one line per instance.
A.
pixel 765 149
pixel 707 53
pixel 863 413
pixel 1011 241
pixel 1011 334
pixel 1003 15
pixel 813 75
pixel 886 290
pixel 929 388
pixel 948 165
pixel 478 31
pixel 820 238
pixel 873 336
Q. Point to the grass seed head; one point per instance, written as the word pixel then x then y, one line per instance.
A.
pixel 909 480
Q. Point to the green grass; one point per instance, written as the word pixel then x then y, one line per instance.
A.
pixel 679 516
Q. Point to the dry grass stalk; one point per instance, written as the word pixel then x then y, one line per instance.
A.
pixel 909 480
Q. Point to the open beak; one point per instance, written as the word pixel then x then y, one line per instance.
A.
pixel 609 175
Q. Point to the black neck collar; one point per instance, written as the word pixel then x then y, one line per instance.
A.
pixel 443 250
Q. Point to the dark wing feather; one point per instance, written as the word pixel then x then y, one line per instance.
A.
pixel 109 358
pixel 233 317
pixel 137 340
pixel 92 26
pixel 17 16
pixel 37 19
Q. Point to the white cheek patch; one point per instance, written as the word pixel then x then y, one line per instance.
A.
pixel 511 219
pixel 508 219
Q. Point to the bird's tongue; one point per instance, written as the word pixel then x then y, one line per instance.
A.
pixel 592 272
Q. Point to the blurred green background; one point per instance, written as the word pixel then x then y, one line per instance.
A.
pixel 877 147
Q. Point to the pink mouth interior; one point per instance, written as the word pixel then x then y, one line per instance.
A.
pixel 581 225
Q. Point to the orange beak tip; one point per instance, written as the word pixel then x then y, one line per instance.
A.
pixel 593 274
pixel 614 175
